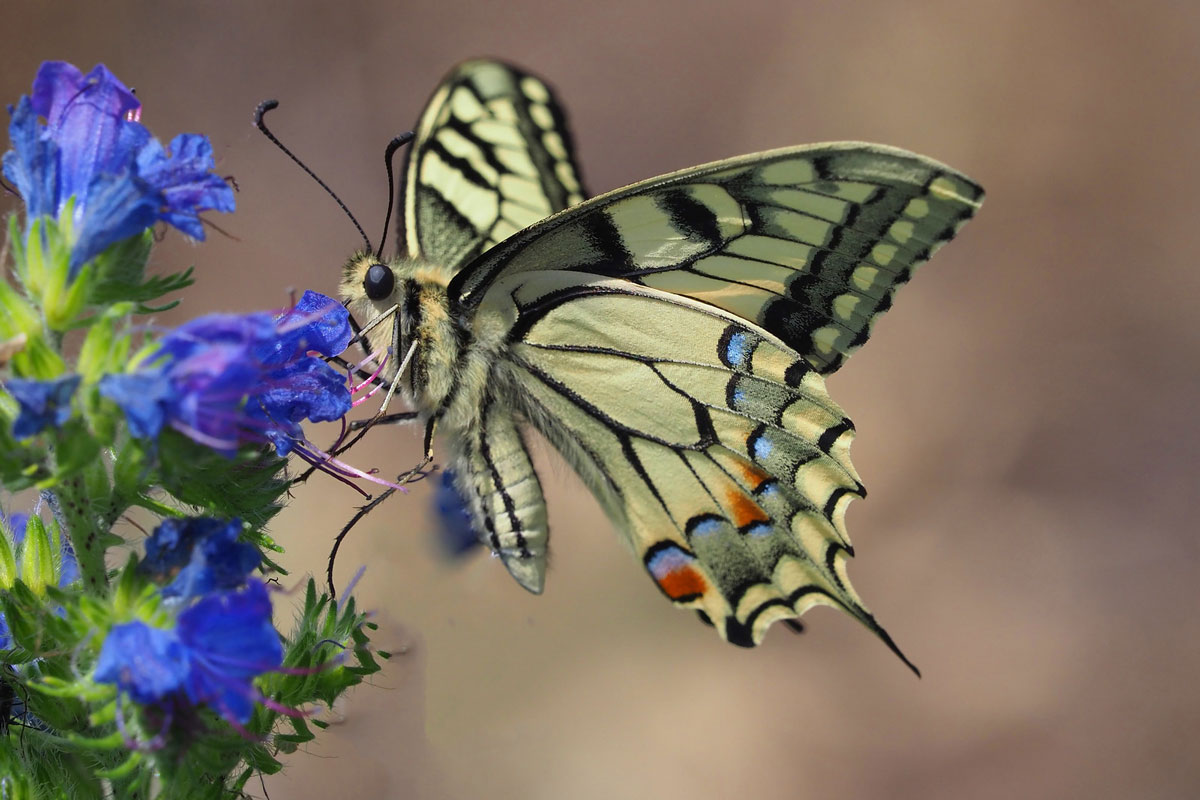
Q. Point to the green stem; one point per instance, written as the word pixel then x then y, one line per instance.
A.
pixel 71 507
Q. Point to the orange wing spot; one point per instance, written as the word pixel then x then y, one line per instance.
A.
pixel 752 475
pixel 674 570
pixel 683 582
pixel 743 510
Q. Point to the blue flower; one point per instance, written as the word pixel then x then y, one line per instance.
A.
pixel 92 148
pixel 41 403
pixel 305 389
pixel 200 555
pixel 456 535
pixel 148 663
pixel 211 656
pixel 316 323
pixel 230 379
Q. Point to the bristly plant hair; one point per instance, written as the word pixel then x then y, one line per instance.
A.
pixel 259 113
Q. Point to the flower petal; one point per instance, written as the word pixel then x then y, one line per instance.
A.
pixel 87 116
pixel 143 396
pixel 148 663
pixel 185 180
pixel 201 554
pixel 117 207
pixel 32 164
pixel 317 323
pixel 41 403
pixel 231 641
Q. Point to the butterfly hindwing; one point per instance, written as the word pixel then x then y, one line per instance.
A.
pixel 713 447
pixel 810 243
pixel 492 155
pixel 495 477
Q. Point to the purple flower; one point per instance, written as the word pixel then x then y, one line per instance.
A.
pixel 91 147
pixel 200 555
pixel 212 655
pixel 230 379
pixel 41 403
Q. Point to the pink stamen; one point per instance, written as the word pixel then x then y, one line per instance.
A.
pixel 287 711
pixel 204 438
pixel 374 375
pixel 343 468
pixel 321 467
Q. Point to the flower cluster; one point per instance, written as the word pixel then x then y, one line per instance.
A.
pixel 95 169
pixel 219 640
pixel 165 677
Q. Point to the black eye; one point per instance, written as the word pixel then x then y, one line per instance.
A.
pixel 379 282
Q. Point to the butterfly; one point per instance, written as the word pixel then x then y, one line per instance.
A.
pixel 668 339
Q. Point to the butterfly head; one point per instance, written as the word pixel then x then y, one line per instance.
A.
pixel 398 302
pixel 373 289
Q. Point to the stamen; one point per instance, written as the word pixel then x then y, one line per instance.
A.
pixel 204 438
pixel 350 587
pixel 374 375
pixel 307 449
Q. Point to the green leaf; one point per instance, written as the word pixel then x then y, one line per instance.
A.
pixel 246 486
pixel 76 449
pixel 120 276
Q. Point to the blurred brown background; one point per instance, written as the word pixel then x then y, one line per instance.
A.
pixel 1026 414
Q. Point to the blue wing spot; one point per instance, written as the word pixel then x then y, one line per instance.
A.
pixel 759 529
pixel 668 560
pixel 705 525
pixel 735 348
pixel 761 447
pixel 768 491
pixel 674 570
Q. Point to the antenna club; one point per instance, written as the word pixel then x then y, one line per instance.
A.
pixel 263 108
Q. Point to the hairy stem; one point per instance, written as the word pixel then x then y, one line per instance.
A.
pixel 70 505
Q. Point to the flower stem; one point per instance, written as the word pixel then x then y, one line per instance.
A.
pixel 71 507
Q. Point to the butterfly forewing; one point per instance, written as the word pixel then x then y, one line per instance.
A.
pixel 809 243
pixel 492 155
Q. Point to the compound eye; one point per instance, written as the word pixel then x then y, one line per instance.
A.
pixel 379 282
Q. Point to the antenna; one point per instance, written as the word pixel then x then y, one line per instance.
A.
pixel 393 146
pixel 259 113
